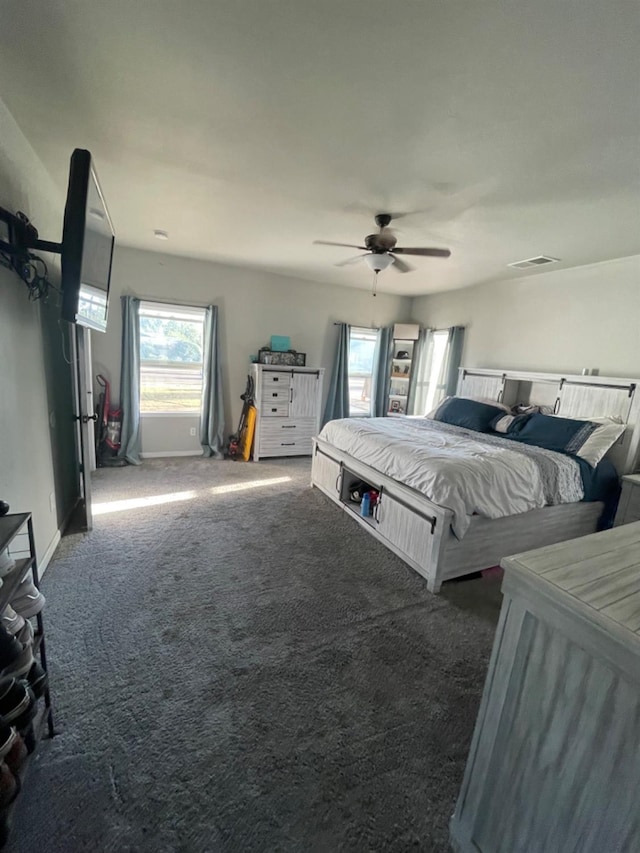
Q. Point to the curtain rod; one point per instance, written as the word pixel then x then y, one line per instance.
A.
pixel 177 304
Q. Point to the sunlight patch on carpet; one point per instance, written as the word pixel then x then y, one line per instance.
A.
pixel 174 497
pixel 251 484
pixel 140 503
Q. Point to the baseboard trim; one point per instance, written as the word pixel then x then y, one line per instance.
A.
pixel 162 454
pixel 48 554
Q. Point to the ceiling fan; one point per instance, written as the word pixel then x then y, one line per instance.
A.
pixel 381 250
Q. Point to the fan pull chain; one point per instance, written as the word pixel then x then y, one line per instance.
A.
pixel 374 283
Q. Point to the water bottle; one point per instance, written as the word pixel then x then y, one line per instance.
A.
pixel 364 506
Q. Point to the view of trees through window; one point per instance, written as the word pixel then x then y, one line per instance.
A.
pixel 171 346
pixel 362 347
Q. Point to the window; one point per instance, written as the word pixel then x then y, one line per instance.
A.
pixel 430 384
pixel 171 346
pixel 435 379
pixel 362 347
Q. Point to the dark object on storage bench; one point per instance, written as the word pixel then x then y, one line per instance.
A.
pixel 291 358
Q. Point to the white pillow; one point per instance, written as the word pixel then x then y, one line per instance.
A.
pixel 601 439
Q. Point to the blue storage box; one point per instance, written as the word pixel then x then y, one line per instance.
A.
pixel 280 343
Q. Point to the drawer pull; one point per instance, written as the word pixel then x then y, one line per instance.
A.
pixel 288 426
pixel 274 410
pixel 276 379
pixel 274 393
pixel 287 444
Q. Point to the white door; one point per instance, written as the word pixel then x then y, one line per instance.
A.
pixel 85 418
pixel 406 529
pixel 304 395
pixel 325 473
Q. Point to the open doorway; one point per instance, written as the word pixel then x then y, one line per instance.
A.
pixel 85 422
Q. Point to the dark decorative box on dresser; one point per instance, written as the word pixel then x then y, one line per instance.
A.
pixel 554 763
pixel 629 505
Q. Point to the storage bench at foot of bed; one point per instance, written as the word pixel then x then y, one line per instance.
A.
pixel 419 532
pixel 412 529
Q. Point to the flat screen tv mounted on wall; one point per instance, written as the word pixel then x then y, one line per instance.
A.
pixel 88 239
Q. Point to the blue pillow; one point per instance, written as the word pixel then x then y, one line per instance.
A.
pixel 564 435
pixel 469 414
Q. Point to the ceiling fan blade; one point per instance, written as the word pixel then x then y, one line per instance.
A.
pixel 400 265
pixel 346 245
pixel 428 253
pixel 350 261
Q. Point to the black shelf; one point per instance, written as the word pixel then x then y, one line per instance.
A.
pixel 38 723
pixel 37 642
pixel 12 580
pixel 10 526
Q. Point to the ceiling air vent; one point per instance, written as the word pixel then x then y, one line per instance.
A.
pixel 539 261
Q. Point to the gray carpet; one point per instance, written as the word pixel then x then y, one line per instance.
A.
pixel 249 671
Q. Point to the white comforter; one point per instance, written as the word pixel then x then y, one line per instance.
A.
pixel 452 467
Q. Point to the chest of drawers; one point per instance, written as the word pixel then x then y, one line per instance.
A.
pixel 289 403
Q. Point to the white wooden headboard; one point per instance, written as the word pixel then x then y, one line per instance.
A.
pixel 569 395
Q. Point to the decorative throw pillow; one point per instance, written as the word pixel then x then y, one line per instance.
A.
pixel 509 424
pixel 502 423
pixel 467 413
pixel 527 409
pixel 601 440
pixel 564 435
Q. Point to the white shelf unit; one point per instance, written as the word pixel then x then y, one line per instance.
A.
pixel 400 374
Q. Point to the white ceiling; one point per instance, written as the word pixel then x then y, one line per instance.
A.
pixel 248 128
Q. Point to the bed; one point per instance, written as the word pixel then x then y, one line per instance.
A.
pixel 452 501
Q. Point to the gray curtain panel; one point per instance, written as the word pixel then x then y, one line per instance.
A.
pixel 420 372
pixel 212 408
pixel 130 381
pixel 453 359
pixel 381 372
pixel 337 405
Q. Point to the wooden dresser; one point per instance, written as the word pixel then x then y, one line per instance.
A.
pixel 289 401
pixel 629 504
pixel 554 764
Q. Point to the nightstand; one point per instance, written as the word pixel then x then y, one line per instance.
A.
pixel 629 506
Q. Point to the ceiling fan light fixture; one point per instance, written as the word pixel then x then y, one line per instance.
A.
pixel 378 261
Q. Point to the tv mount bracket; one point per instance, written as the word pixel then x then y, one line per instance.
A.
pixel 16 252
pixel 23 236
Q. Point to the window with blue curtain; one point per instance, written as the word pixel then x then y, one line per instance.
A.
pixel 438 357
pixel 360 378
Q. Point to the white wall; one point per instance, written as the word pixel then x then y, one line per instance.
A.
pixel 253 306
pixel 37 467
pixel 557 321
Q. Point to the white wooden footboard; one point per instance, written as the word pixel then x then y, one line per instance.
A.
pixel 419 531
pixel 406 522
